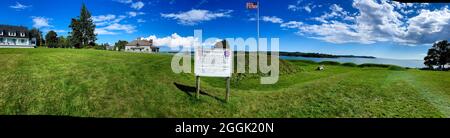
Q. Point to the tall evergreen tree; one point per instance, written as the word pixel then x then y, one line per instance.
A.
pixel 75 37
pixel 83 29
pixel 87 27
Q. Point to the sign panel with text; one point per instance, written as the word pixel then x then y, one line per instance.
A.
pixel 213 62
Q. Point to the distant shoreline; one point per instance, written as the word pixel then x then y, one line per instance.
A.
pixel 320 55
pixel 301 54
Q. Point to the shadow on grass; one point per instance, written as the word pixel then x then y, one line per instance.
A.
pixel 191 91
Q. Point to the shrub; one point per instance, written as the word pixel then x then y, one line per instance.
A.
pixel 349 64
pixel 374 65
pixel 393 67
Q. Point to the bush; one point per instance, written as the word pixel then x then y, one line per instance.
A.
pixel 330 63
pixel 393 67
pixel 374 65
pixel 349 64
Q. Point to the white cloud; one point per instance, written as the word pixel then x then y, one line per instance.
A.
pixel 173 41
pixel 291 24
pixel 336 12
pixel 19 6
pixel 103 31
pixel 134 14
pixel 124 1
pixel 121 27
pixel 39 22
pixel 293 7
pixel 429 26
pixel 307 8
pixel 377 21
pixel 297 7
pixel 272 19
pixel 196 16
pixel 137 5
pixel 102 18
pixel 110 24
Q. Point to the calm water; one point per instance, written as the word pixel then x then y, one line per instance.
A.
pixel 398 62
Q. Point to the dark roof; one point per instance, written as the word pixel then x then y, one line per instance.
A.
pixel 17 29
pixel 140 43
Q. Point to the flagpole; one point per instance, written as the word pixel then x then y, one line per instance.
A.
pixel 257 24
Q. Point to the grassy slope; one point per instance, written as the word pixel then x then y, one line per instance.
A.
pixel 113 84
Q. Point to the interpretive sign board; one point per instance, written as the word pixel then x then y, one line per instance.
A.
pixel 213 62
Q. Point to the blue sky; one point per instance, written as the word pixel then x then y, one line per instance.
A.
pixel 359 27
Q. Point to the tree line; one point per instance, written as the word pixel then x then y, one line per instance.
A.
pixel 438 56
pixel 82 34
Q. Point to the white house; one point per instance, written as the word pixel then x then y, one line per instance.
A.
pixel 15 37
pixel 141 46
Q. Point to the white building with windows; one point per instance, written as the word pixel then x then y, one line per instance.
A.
pixel 141 46
pixel 15 37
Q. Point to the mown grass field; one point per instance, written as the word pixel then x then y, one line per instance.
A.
pixel 93 83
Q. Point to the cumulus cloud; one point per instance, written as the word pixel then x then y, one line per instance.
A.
pixel 377 21
pixel 173 41
pixel 103 31
pixel 336 12
pixel 429 26
pixel 298 7
pixel 20 6
pixel 195 16
pixel 110 24
pixel 40 22
pixel 291 24
pixel 102 18
pixel 124 1
pixel 134 14
pixel 137 5
pixel 121 27
pixel 272 19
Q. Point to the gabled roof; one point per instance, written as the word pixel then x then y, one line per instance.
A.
pixel 140 43
pixel 16 29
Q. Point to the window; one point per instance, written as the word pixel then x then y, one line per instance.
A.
pixel 1 40
pixel 1 32
pixel 22 34
pixel 11 33
pixel 22 40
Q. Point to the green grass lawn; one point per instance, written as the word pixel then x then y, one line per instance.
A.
pixel 93 83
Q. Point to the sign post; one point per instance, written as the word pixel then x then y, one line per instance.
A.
pixel 228 89
pixel 213 62
pixel 197 86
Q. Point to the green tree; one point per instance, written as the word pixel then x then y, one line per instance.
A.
pixel 120 44
pixel 63 42
pixel 36 34
pixel 83 29
pixel 75 37
pixel 51 39
pixel 431 59
pixel 87 27
pixel 438 55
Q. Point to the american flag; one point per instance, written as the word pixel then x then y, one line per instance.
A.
pixel 252 5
